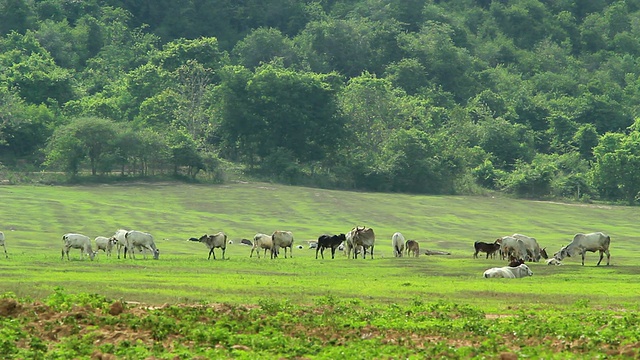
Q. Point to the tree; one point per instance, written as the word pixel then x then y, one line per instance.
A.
pixel 615 171
pixel 82 138
pixel 264 45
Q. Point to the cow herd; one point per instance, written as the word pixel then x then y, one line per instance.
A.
pixel 517 248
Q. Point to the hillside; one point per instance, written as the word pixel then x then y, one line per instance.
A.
pixel 533 98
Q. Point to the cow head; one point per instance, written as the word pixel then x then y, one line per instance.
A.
pixel 526 269
pixel 563 253
pixel 543 253
pixel 156 254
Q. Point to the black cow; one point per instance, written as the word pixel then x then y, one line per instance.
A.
pixel 489 248
pixel 329 241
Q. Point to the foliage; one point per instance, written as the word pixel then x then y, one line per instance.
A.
pixel 327 89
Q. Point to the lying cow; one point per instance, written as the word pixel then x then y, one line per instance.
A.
pixel 586 242
pixel 508 272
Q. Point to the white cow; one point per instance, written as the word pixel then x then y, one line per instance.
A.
pixel 365 237
pixel 282 239
pixel 554 261
pixel 531 245
pixel 512 248
pixel 120 241
pixel 397 242
pixel 138 239
pixel 2 243
pixel 586 242
pixel 261 241
pixel 218 240
pixel 508 272
pixel 77 241
pixel 105 244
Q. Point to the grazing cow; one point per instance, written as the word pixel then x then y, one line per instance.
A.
pixel 531 245
pixel 365 237
pixel 413 247
pixel 329 241
pixel 543 253
pixel 105 244
pixel 77 241
pixel 489 248
pixel 282 239
pixel 2 243
pixel 512 248
pixel 397 242
pixel 261 241
pixel 246 242
pixel 138 239
pixel 120 241
pixel 586 242
pixel 218 240
pixel 508 272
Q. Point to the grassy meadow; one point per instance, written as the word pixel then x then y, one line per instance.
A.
pixel 34 219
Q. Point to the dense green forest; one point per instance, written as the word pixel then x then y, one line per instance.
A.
pixel 536 98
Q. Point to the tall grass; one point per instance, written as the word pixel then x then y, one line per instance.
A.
pixel 35 217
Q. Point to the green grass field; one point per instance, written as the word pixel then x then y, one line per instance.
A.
pixel 34 219
pixel 300 307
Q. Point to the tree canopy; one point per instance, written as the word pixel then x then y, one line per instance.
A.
pixel 531 97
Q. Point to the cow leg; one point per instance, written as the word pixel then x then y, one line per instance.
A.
pixel 601 256
pixel 333 252
pixel 317 249
pixel 608 256
pixel 583 253
pixel 211 252
pixel 223 251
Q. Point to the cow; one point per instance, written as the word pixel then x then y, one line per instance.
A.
pixel 282 239
pixel 105 244
pixel 2 243
pixel 508 272
pixel 138 239
pixel 261 241
pixel 77 241
pixel 246 242
pixel 489 248
pixel 397 242
pixel 553 261
pixel 365 237
pixel 329 241
pixel 531 244
pixel 218 240
pixel 120 241
pixel 512 248
pixel 582 243
pixel 412 246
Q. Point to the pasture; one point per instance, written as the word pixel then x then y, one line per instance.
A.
pixel 34 219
